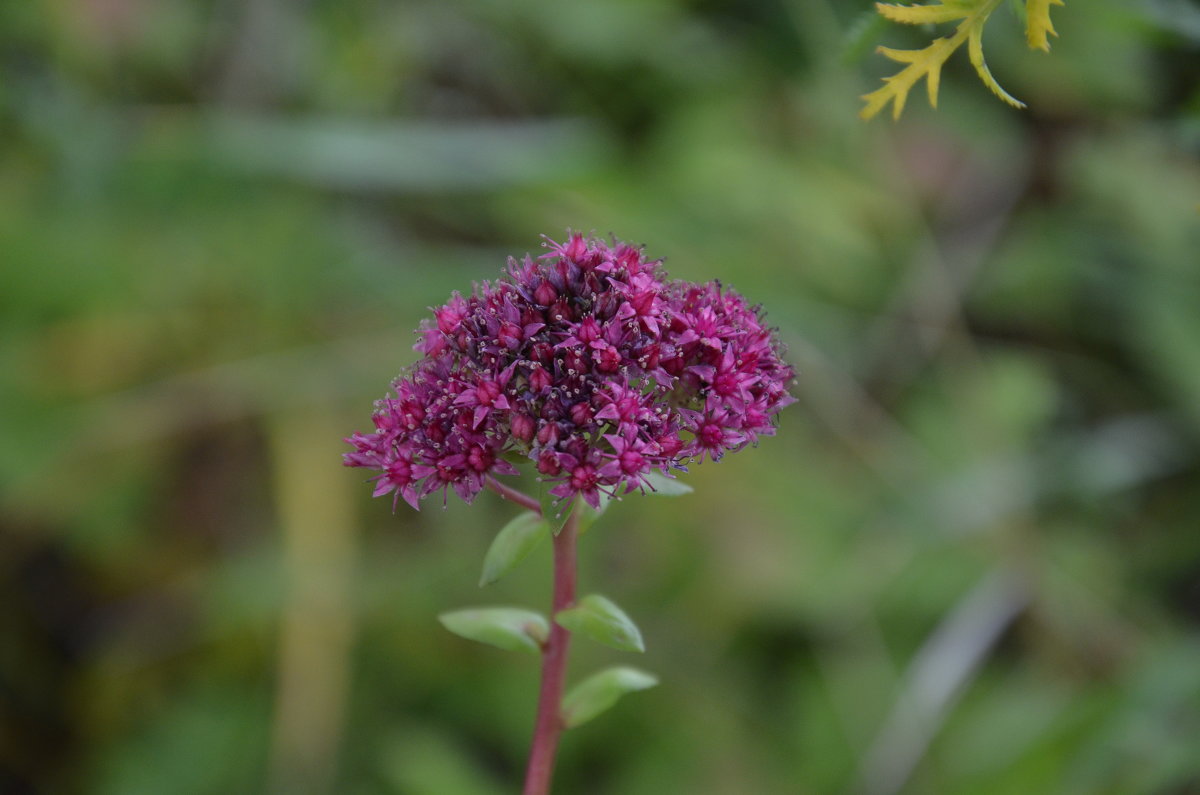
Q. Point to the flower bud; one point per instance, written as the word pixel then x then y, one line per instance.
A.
pixel 588 330
pixel 578 448
pixel 560 312
pixel 669 444
pixel 539 379
pixel 542 353
pixel 530 316
pixel 547 435
pixel 581 413
pixel 642 302
pixel 545 294
pixel 606 357
pixel 509 335
pixel 576 248
pixel 575 361
pixel 548 464
pixel 647 357
pixel 522 426
pixel 480 459
pixel 607 305
pixel 630 258
pixel 450 316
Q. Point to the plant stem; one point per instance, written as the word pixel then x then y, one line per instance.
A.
pixel 549 724
pixel 509 493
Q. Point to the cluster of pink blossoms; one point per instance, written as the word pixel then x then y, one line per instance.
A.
pixel 590 363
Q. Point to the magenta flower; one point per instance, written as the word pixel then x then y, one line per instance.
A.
pixel 589 362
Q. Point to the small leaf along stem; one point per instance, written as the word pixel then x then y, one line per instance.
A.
pixel 549 724
pixel 511 494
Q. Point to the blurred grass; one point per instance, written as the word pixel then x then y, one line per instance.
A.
pixel 219 222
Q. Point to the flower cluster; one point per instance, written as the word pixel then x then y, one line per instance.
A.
pixel 590 363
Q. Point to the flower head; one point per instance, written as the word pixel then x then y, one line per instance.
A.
pixel 589 362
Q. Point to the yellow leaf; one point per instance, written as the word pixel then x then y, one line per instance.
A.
pixel 928 62
pixel 975 50
pixel 920 15
pixel 901 56
pixel 925 63
pixel 1038 27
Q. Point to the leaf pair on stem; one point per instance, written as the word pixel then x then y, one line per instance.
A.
pixel 594 616
pixel 516 629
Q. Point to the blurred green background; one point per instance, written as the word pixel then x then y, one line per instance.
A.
pixel 968 563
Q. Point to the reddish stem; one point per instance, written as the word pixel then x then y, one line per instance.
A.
pixel 549 723
pixel 509 493
pixel 549 726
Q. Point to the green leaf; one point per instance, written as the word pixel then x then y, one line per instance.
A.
pixel 600 691
pixel 508 628
pixel 602 621
pixel 667 486
pixel 512 544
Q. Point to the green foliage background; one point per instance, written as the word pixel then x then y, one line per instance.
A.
pixel 969 562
